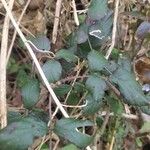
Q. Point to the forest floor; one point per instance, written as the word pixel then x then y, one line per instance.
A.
pixel 75 74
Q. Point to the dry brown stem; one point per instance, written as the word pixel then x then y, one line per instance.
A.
pixel 56 20
pixel 3 53
pixel 114 29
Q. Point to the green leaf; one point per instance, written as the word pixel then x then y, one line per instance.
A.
pixel 13 116
pixel 13 66
pixel 70 147
pixel 44 147
pixel 22 78
pixel 115 54
pixel 73 98
pixel 115 105
pixel 39 113
pixel 52 70
pixel 101 30
pixel 96 87
pixel 110 68
pixel 128 86
pixel 62 89
pixel 82 18
pixel 92 105
pixel 146 109
pixel 19 135
pixel 67 128
pixel 145 128
pixel 79 88
pixel 41 42
pixel 96 61
pixel 97 9
pixel 67 55
pixel 83 50
pixel 30 93
pixel 82 33
pixel 75 95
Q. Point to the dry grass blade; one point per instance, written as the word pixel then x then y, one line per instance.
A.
pixel 56 20
pixel 4 45
pixel 114 29
pixel 75 13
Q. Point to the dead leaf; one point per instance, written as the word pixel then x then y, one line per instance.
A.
pixel 142 69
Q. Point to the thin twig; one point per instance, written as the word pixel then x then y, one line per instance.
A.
pixel 71 78
pixel 101 131
pixel 74 106
pixel 114 29
pixel 56 20
pixel 35 60
pixel 104 123
pixel 124 115
pixel 4 45
pixel 75 13
pixel 79 67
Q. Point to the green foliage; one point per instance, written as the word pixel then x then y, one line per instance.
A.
pixel 127 84
pixel 115 105
pixel 62 89
pixel 73 98
pixel 75 94
pixel 146 109
pixel 145 128
pixel 97 9
pixel 70 147
pixel 100 31
pixel 67 55
pixel 115 54
pixel 96 61
pixel 20 134
pixel 96 87
pixel 13 116
pixel 87 44
pixel 41 42
pixel 30 93
pixel 67 128
pixel 22 78
pixel 92 106
pixel 82 33
pixel 12 66
pixel 96 28
pixel 52 70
